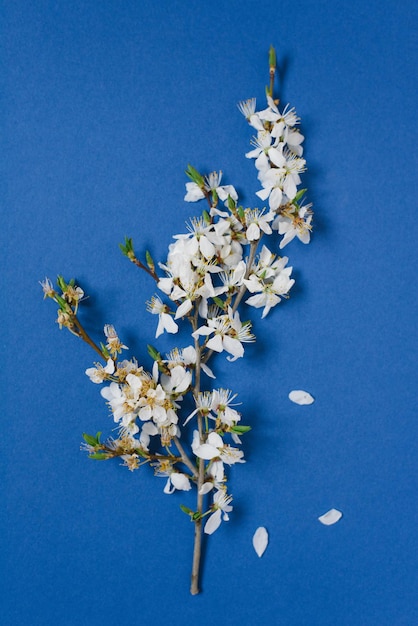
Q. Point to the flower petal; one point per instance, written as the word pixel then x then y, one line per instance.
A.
pixel 260 540
pixel 330 517
pixel 205 488
pixel 180 481
pixel 206 452
pixel 298 396
pixel 213 523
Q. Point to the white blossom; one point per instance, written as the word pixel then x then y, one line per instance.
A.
pixel 268 290
pixel 99 373
pixel 165 321
pixel 177 480
pixel 212 183
pixel 216 448
pixel 222 505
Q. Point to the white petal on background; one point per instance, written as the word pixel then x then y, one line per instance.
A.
pixel 298 396
pixel 260 540
pixel 330 517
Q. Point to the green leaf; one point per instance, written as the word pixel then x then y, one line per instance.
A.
pixel 206 217
pixel 92 441
pixel 194 175
pixel 240 429
pixel 104 350
pixel 154 354
pixel 299 194
pixel 186 509
pixel 98 436
pixel 220 303
pixel 60 300
pixel 142 453
pixel 99 456
pixel 61 283
pixel 127 247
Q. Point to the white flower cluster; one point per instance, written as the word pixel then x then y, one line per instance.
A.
pixel 142 403
pixel 208 271
pixel 220 264
pixel 278 159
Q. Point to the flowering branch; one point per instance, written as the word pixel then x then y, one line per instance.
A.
pixel 210 273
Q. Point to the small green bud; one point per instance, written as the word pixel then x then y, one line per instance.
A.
pixel 241 213
pixel 150 261
pixel 127 247
pixel 272 58
pixel 231 203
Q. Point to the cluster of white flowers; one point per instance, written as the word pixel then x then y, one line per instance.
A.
pixel 208 271
pixel 278 159
pixel 221 263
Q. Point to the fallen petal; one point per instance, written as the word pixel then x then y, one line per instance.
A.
pixel 260 540
pixel 298 396
pixel 330 517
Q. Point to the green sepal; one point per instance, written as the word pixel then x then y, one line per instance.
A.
pixel 240 430
pixel 99 456
pixel 194 175
pixel 153 352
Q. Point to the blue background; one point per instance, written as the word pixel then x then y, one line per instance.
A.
pixel 105 105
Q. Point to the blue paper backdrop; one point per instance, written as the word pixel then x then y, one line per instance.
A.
pixel 105 105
